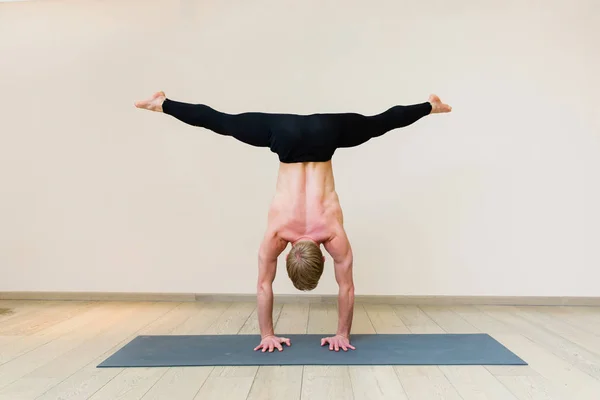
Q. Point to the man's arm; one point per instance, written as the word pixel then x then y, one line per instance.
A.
pixel 340 250
pixel 270 249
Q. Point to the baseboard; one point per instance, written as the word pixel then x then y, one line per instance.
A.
pixel 417 300
pixel 307 298
pixel 97 296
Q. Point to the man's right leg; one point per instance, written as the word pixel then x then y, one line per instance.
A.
pixel 356 129
pixel 250 128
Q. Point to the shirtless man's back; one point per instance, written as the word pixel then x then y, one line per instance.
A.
pixel 305 209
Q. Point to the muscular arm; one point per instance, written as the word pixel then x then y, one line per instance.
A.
pixel 270 249
pixel 340 250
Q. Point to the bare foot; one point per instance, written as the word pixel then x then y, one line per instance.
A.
pixel 154 103
pixel 437 106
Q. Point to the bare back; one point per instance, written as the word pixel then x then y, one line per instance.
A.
pixel 305 204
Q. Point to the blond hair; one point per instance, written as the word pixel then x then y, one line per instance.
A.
pixel 304 265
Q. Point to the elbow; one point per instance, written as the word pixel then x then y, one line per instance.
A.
pixel 264 289
pixel 347 290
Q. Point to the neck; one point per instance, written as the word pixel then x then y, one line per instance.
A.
pixel 303 239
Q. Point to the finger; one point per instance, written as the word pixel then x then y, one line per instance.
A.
pixel 330 346
pixel 337 347
pixel 323 342
pixel 344 348
pixel 287 341
pixel 279 347
pixel 264 349
pixel 271 348
pixel 352 347
pixel 257 347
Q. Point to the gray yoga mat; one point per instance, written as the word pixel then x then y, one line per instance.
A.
pixel 385 349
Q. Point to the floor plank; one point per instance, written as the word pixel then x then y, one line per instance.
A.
pixel 27 313
pixel 98 337
pixel 475 383
pixel 372 382
pixel 277 383
pixel 281 382
pixel 178 383
pixel 384 319
pixel 88 380
pixel 426 382
pixel 21 345
pixel 251 326
pixel 564 328
pixel 229 383
pixel 543 335
pixel 423 382
pixel 585 318
pixel 533 388
pixel 52 316
pixel 130 384
pixel 56 357
pixel 564 377
pixel 325 382
pixel 292 319
pixel 133 383
pixel 416 320
pixel 448 320
pixel 64 353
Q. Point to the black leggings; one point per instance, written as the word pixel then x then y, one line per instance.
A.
pixel 294 137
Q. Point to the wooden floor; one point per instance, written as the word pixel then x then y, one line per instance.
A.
pixel 49 350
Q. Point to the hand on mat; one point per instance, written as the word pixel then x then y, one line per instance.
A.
pixel 272 342
pixel 336 342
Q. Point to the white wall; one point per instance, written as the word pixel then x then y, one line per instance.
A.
pixel 501 197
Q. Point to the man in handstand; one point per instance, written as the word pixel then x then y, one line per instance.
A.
pixel 305 210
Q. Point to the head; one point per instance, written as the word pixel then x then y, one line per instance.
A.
pixel 304 265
